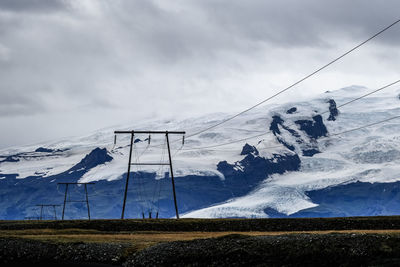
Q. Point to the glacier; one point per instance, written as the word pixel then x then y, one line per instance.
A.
pixel 295 166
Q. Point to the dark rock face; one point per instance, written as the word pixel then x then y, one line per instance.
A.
pixel 248 149
pixel 333 111
pixel 49 150
pixel 43 149
pixel 315 128
pixel 94 158
pixel 274 127
pixel 253 169
pixel 28 155
pixel 10 159
pixel 355 199
pixel 291 110
pixel 310 152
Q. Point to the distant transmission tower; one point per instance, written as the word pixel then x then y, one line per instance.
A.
pixel 166 133
pixel 47 205
pixel 85 200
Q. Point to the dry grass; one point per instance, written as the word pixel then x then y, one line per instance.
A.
pixel 141 240
pixel 145 239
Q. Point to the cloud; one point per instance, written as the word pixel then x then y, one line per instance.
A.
pixel 110 61
pixel 32 5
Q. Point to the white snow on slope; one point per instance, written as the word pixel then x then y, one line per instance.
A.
pixel 368 155
pixel 371 155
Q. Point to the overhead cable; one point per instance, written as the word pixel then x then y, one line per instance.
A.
pixel 258 135
pixel 296 83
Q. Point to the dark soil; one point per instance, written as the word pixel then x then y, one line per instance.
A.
pixel 284 250
pixel 333 249
pixel 15 251
pixel 215 225
pixel 231 250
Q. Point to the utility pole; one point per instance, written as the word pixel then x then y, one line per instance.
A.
pixel 166 133
pixel 172 175
pixel 47 205
pixel 127 175
pixel 66 200
pixel 87 201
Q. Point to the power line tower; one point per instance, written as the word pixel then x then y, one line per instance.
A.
pixel 85 200
pixel 47 205
pixel 166 133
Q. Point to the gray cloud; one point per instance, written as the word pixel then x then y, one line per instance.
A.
pixel 294 23
pixel 110 61
pixel 32 5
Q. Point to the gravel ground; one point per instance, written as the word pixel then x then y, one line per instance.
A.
pixel 344 249
pixel 285 250
pixel 14 251
pixel 214 225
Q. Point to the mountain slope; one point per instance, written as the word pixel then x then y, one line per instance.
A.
pixel 285 172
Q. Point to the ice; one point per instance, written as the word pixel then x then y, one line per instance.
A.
pixel 370 155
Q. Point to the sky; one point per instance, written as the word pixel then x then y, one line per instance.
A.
pixel 69 67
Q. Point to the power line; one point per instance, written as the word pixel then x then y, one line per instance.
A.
pixel 296 83
pixel 362 127
pixel 341 133
pixel 228 143
pixel 370 93
pixel 351 130
pixel 258 135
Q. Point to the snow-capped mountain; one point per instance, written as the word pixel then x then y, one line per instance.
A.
pixel 296 164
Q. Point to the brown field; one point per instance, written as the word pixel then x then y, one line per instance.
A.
pixel 143 239
pixel 205 242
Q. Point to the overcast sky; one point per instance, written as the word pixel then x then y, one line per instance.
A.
pixel 71 67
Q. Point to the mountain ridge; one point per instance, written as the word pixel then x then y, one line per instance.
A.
pixel 278 174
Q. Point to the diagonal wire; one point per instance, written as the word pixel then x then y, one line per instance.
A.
pixel 296 83
pixel 258 135
pixel 159 170
pixel 360 97
pixel 362 127
pixel 340 133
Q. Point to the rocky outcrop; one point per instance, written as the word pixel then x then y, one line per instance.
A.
pixel 314 128
pixel 291 110
pixel 333 111
pixel 96 157
pixel 253 169
pixel 248 149
pixel 44 150
pixel 10 159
